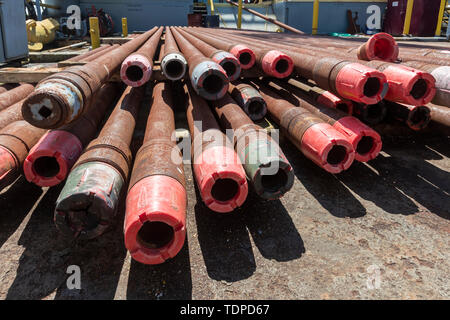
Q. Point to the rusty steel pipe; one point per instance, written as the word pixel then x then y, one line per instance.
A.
pixel 87 205
pixel 11 114
pixel 225 59
pixel 249 99
pixel 243 53
pixel 83 56
pixel 155 217
pixel 136 69
pixel 274 63
pixel 15 95
pixel 265 164
pixel 207 77
pixel 440 115
pixel 415 117
pixel 323 97
pixel 8 86
pixel 365 141
pixel 101 53
pixel 51 159
pixel 405 84
pixel 16 140
pixel 63 97
pixel 316 139
pixel 217 169
pixel 173 62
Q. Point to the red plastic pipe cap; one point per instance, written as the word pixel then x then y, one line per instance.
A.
pixel 361 83
pixel 245 55
pixel 155 219
pixel 221 179
pixel 328 148
pixel 409 85
pixel 277 64
pixel 332 101
pixel 381 46
pixel 50 160
pixel 136 70
pixel 366 141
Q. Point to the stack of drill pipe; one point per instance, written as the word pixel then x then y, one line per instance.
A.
pixel 63 97
pixel 415 117
pixel 83 56
pixel 249 99
pixel 323 97
pixel 155 217
pixel 173 62
pixel 371 114
pixel 406 85
pixel 347 79
pixel 225 59
pixel 207 77
pixel 365 141
pixel 50 160
pixel 218 171
pixel 15 95
pixel 274 63
pixel 315 138
pixel 442 76
pixel 136 69
pixel 88 203
pixel 268 171
pixel 8 86
pixel 16 140
pixel 243 53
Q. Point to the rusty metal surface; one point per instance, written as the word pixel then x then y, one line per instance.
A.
pixel 15 95
pixel 11 114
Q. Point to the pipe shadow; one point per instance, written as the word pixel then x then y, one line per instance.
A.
pixel 15 203
pixel 272 229
pixel 325 187
pixel 168 281
pixel 43 265
pixel 426 184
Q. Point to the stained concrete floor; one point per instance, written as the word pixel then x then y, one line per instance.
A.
pixel 326 239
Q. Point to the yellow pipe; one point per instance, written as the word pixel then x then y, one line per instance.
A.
pixel 95 32
pixel 124 27
pixel 315 22
pixel 239 22
pixel 211 4
pixel 440 18
pixel 409 9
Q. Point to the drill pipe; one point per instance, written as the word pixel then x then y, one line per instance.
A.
pixel 155 217
pixel 415 117
pixel 218 171
pixel 83 56
pixel 440 114
pixel 50 160
pixel 274 63
pixel 349 80
pixel 136 70
pixel 267 168
pixel 316 139
pixel 442 76
pixel 15 95
pixel 87 205
pixel 11 114
pixel 208 78
pixel 173 62
pixel 365 141
pixel 323 97
pixel 225 59
pixel 249 99
pixel 408 85
pixel 16 140
pixel 63 97
pixel 101 53
pixel 371 114
pixel 243 53
pixel 8 86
